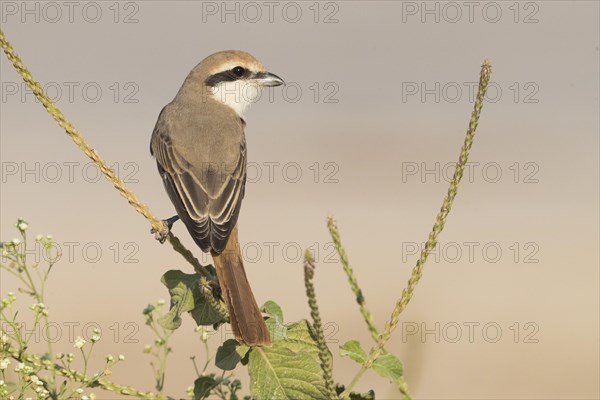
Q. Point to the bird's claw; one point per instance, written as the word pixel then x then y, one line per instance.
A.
pixel 168 224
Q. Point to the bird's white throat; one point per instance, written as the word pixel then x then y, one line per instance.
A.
pixel 238 95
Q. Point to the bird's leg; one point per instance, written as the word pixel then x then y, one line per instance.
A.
pixel 171 221
pixel 162 236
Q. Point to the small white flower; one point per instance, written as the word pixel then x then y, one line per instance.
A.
pixel 79 390
pixel 95 338
pixel 160 302
pixel 40 308
pixel 15 241
pixel 4 363
pixel 79 342
pixel 121 357
pixel 21 224
pixel 45 241
pixel 9 300
pixel 109 358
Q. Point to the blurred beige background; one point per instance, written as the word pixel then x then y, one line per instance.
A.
pixel 378 99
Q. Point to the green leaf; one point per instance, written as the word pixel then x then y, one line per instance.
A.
pixel 186 297
pixel 353 350
pixel 272 309
pixel 204 313
pixel 289 369
pixel 227 356
pixel 244 352
pixel 388 366
pixel 370 395
pixel 203 386
pixel 275 321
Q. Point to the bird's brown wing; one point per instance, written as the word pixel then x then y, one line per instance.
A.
pixel 207 195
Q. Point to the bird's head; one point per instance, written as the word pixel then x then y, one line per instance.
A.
pixel 234 78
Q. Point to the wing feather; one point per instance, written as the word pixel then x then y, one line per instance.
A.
pixel 207 196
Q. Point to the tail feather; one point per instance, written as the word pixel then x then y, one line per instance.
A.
pixel 245 317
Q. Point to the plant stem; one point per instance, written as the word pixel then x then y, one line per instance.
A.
pixel 324 354
pixel 360 299
pixel 79 377
pixel 440 221
pixel 157 224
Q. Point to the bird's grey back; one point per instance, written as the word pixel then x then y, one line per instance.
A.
pixel 200 151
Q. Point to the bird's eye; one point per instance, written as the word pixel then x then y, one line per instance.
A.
pixel 238 71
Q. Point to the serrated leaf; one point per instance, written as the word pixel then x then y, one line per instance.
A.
pixel 370 395
pixel 289 369
pixel 272 309
pixel 388 366
pixel 227 356
pixel 275 321
pixel 353 349
pixel 244 352
pixel 186 297
pixel 203 386
pixel 205 314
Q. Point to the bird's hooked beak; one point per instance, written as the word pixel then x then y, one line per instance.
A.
pixel 268 79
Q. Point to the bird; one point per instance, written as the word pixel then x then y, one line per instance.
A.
pixel 200 149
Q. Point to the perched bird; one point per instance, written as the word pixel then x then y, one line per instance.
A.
pixel 200 150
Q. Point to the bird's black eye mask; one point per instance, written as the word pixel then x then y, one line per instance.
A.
pixel 231 75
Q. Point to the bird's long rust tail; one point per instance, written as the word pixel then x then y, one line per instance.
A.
pixel 245 317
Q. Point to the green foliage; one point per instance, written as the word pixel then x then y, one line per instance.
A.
pixel 354 350
pixel 275 323
pixel 221 387
pixel 186 297
pixel 387 365
pixel 203 386
pixel 228 356
pixel 370 395
pixel 50 375
pixel 160 349
pixel 273 310
pixel 290 368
